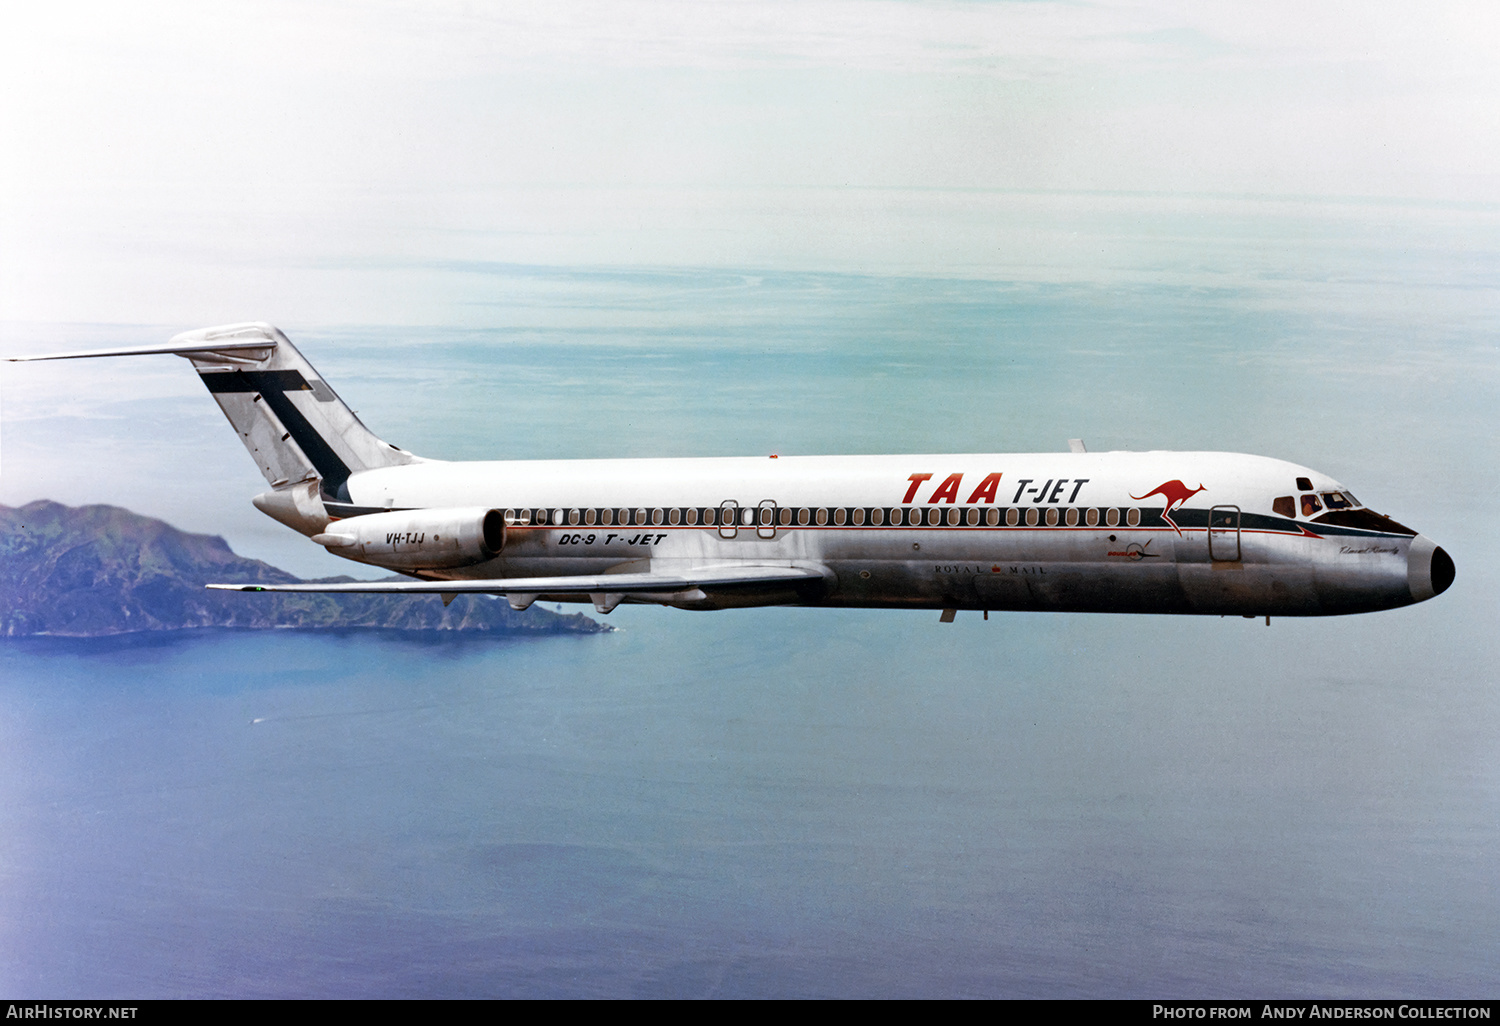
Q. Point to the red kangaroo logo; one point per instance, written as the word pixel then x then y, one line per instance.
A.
pixel 1176 493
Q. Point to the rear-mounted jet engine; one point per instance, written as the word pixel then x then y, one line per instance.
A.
pixel 423 539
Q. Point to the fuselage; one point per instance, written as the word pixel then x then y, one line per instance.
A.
pixel 1126 532
pixel 1160 532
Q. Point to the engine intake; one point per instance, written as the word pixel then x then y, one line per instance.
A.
pixel 422 539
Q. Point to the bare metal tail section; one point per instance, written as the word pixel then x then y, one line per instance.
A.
pixel 304 439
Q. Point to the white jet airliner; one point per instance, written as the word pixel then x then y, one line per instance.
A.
pixel 1120 532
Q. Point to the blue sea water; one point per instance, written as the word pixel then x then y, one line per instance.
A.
pixel 776 802
pixel 795 802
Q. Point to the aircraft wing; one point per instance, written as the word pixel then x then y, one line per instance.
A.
pixel 605 589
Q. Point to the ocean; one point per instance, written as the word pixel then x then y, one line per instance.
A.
pixel 786 802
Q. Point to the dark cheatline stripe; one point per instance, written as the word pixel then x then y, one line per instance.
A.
pixel 273 386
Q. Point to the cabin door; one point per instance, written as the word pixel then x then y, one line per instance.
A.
pixel 729 518
pixel 765 519
pixel 1224 534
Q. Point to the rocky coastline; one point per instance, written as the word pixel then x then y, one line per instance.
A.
pixel 95 571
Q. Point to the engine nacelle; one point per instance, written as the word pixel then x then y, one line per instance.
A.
pixel 419 539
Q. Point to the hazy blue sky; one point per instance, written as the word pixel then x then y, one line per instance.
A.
pixel 178 163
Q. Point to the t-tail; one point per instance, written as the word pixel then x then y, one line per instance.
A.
pixel 304 439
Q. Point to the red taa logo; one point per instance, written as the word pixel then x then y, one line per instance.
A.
pixel 1176 493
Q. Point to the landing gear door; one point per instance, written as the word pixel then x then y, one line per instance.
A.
pixel 729 518
pixel 765 519
pixel 1224 534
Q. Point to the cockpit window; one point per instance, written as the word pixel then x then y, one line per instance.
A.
pixel 1310 505
pixel 1285 506
pixel 1336 500
pixel 1365 520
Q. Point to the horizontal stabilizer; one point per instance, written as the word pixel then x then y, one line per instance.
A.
pixel 178 350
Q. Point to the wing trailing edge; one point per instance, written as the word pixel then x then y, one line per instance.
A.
pixel 606 590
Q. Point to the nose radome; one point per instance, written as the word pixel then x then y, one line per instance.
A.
pixel 1443 570
pixel 1429 569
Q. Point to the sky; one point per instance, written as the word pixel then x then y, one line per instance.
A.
pixel 177 163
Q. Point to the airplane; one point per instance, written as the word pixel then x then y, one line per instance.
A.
pixel 1080 531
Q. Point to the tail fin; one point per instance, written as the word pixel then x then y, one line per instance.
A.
pixel 290 421
pixel 293 425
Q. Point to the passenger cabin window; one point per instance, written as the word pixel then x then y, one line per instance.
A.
pixel 822 517
pixel 1112 517
pixel 1132 517
pixel 1310 505
pixel 1285 506
pixel 1012 517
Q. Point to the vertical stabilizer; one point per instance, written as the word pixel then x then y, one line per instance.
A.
pixel 300 434
pixel 292 423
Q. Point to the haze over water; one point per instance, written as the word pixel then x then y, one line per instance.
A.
pixel 796 802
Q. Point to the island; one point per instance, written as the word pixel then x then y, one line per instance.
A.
pixel 92 571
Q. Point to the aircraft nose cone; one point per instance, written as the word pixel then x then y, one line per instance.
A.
pixel 1442 570
pixel 1429 570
